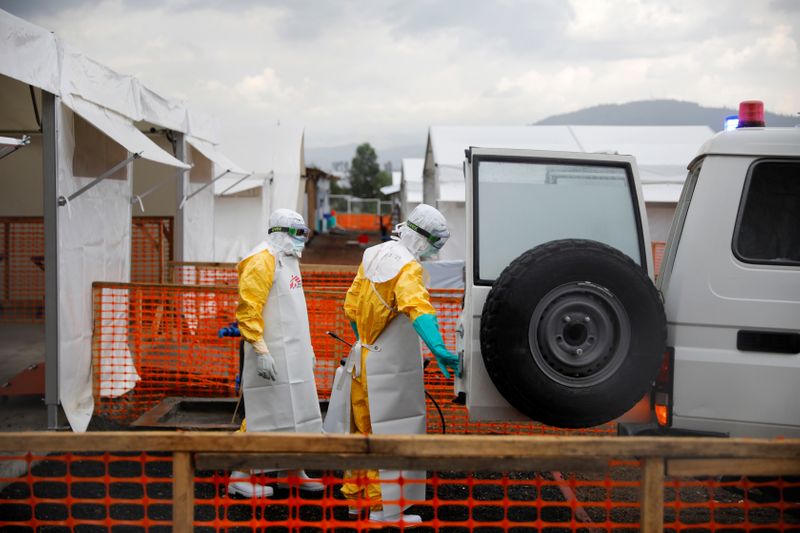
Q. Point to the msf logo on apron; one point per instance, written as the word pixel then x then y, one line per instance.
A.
pixel 295 282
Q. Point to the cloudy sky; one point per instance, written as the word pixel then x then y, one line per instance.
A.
pixel 384 70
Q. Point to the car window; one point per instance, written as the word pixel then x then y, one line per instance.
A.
pixel 522 204
pixel 768 224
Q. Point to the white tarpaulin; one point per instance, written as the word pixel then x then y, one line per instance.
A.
pixel 217 157
pixel 94 228
pixel 28 53
pixel 122 131
pixel 411 184
pixel 94 241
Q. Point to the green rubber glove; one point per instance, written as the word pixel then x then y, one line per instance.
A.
pixel 355 329
pixel 427 327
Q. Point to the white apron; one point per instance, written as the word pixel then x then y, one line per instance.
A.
pixel 290 402
pixel 396 392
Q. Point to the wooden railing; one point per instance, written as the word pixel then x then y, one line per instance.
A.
pixel 659 456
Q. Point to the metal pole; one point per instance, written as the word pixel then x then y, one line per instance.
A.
pixel 63 201
pixel 50 105
pixel 181 153
pixel 235 184
pixel 201 189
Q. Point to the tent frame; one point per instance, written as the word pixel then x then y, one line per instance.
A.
pixel 62 201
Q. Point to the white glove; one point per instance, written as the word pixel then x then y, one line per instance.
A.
pixel 265 366
pixel 265 363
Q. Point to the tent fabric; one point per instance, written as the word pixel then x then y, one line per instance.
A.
pixel 390 189
pixel 35 56
pixel 212 153
pixel 162 111
pixel 94 239
pixel 122 131
pixel 28 53
pixel 94 243
pixel 228 186
pixel 283 157
pixel 411 170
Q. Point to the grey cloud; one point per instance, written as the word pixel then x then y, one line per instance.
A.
pixel 785 5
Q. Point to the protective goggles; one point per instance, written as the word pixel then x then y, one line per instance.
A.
pixel 433 240
pixel 298 232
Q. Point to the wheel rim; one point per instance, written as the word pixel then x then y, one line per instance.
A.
pixel 579 334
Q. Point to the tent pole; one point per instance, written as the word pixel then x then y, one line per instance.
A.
pixel 105 175
pixel 180 191
pixel 235 184
pixel 154 188
pixel 195 193
pixel 50 104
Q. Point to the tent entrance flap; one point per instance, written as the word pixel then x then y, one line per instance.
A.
pixel 62 201
pixel 237 182
pixel 186 198
pixel 154 188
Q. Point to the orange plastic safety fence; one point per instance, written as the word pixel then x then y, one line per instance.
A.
pixel 88 491
pixel 658 254
pixel 204 274
pixel 168 334
pixel 154 341
pixel 151 249
pixel 362 221
pixel 21 269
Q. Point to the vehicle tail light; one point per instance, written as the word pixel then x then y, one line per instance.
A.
pixel 662 399
pixel 751 114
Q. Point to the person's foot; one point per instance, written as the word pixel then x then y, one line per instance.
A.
pixel 304 482
pixel 246 488
pixel 407 520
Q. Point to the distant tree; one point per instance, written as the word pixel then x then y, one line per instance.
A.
pixel 366 178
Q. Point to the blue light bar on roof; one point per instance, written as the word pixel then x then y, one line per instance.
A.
pixel 731 122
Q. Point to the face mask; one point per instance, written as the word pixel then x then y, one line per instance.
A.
pixel 298 245
pixel 429 252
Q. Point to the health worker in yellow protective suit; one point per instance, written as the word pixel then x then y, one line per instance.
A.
pixel 381 389
pixel 280 393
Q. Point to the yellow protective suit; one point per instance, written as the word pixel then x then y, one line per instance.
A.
pixel 405 292
pixel 255 281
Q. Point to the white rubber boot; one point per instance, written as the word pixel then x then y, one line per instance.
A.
pixel 245 487
pixel 305 482
pixel 407 520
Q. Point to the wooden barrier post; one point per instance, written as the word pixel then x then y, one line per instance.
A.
pixel 182 492
pixel 652 495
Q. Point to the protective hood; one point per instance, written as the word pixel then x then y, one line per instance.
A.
pixel 427 220
pixel 280 241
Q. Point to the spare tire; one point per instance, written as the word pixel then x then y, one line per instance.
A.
pixel 573 333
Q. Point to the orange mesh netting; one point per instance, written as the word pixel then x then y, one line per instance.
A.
pixel 21 269
pixel 362 221
pixel 134 490
pixel 204 274
pixel 171 335
pixel 151 249
pixel 167 336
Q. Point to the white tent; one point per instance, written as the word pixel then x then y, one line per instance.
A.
pixel 242 209
pixel 79 162
pixel 662 153
pixel 410 184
